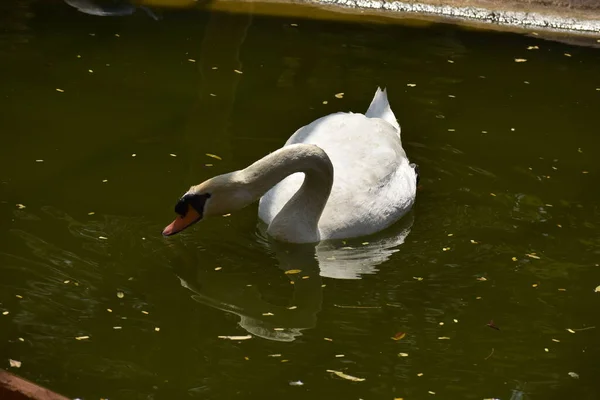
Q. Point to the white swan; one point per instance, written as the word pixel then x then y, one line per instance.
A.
pixel 343 175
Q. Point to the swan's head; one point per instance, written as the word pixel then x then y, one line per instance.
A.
pixel 217 196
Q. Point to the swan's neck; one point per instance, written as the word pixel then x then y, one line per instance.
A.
pixel 298 220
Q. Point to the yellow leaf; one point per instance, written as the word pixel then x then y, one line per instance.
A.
pixel 532 48
pixel 597 290
pixel 411 84
pixel 444 338
pixel 570 330
pixel 346 376
pixel 20 206
pixel 60 90
pixel 14 363
pixel 520 60
pixel 533 255
pixel 82 337
pixel 120 294
pixel 237 71
pixel 420 374
pixel 214 156
pixel 293 271
pixel 339 95
pixel 399 336
pixel 402 354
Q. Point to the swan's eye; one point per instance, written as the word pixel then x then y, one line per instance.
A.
pixel 197 201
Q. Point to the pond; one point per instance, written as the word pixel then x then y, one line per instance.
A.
pixel 488 285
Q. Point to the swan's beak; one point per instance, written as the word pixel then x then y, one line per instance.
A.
pixel 191 217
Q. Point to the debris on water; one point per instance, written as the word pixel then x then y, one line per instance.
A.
pixel 482 279
pixel 102 238
pixel 104 180
pixel 574 375
pixel 109 310
pixel 339 355
pixel 145 312
pixel 445 248
pixel 39 161
pixel 133 155
pixel 493 194
pixel 532 48
pixel 402 354
pixel 14 363
pixel 91 213
pixel 293 271
pixel 533 255
pixel 117 35
pixel 441 324
pixel 474 242
pixel 173 155
pixel 268 314
pixel 120 294
pixel 556 340
pixel 328 339
pixel 399 336
pixel 20 206
pixel 214 156
pixel 597 290
pixel 417 278
pixel 325 102
pixel 21 339
pixel 117 327
pixel 365 243
pixel 546 349
pixel 296 383
pixel 430 392
pixel 18 296
pixel 292 307
pixel 237 71
pixel 520 60
pixel 514 258
pixel 451 61
pixel 455 321
pixel 568 55
pixel 534 285
pixel 236 337
pixel 279 329
pixel 157 329
pixel 443 338
pixel 570 330
pixel 274 355
pixel 411 84
pixel 82 337
pixel 90 71
pixel 339 95
pixel 60 90
pixel 420 374
pixel 346 376
pixel 451 130
pixel 492 325
pixel 305 277
pixel 218 268
pixel 5 312
pixel 191 60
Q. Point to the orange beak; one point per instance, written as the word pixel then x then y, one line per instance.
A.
pixel 191 217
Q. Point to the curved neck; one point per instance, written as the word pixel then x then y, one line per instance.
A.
pixel 298 220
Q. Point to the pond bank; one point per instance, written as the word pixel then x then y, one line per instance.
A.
pixel 579 17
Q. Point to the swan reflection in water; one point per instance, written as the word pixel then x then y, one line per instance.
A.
pixel 332 259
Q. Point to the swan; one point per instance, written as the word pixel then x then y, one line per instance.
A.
pixel 343 175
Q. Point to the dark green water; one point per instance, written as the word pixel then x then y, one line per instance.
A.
pixel 503 148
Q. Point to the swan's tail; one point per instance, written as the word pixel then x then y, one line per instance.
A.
pixel 380 108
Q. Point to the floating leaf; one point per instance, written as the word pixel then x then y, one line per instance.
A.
pixel 402 354
pixel 293 271
pixel 533 255
pixel 399 336
pixel 482 279
pixel 236 337
pixel 346 376
pixel 191 60
pixel 214 156
pixel 268 314
pixel 237 71
pixel 444 338
pixel 532 48
pixel 570 330
pixel 411 84
pixel 492 325
pixel 20 206
pixel 520 60
pixel 296 383
pixel 120 294
pixel 82 337
pixel 597 290
pixel 60 90
pixel 420 374
pixel 157 329
pixel 328 339
pixel 417 278
pixel 14 363
pixel 5 313
pixel 574 375
pixel 339 95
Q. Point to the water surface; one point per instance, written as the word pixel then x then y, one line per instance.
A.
pixel 505 227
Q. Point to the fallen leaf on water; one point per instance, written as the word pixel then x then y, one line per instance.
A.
pixel 5 313
pixel 21 339
pixel 399 336
pixel 274 355
pixel 339 95
pixel 520 60
pixel 325 102
pixel 91 213
pixel 482 278
pixel 346 376
pixel 514 258
pixel 218 268
pixel 402 354
pixel 339 355
pixel 597 290
pixel 18 296
pixel 20 206
pixel 492 325
pixel 293 271
pixel 556 340
pixel 328 339
pixel 493 194
pixel 237 71
pixel 268 314
pixel 570 330
pixel 532 48
pixel 292 307
pixel 567 55
pixel 214 156
pixel 574 375
pixel 533 255
pixel 305 277
pixel 236 337
pixel 420 374
pixel 430 392
pixel 117 327
pixel 120 294
pixel 145 312
pixel 173 155
pixel 60 90
pixel 534 285
pixel 444 338
pixel 109 310
pixel 411 84
pixel 417 278
pixel 14 363
pixel 157 329
pixel 191 60
pixel 82 337
pixel 474 242
pixel 455 321
pixel 546 349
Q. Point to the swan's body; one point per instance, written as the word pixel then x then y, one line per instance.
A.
pixel 343 175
